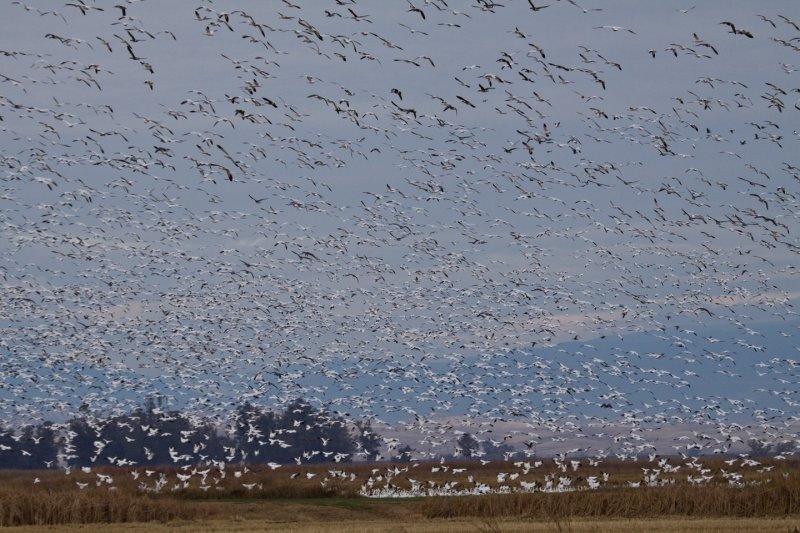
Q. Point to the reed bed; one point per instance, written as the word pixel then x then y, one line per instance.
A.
pixel 19 508
pixel 775 499
pixel 53 497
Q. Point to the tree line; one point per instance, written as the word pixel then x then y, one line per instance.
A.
pixel 301 433
pixel 151 435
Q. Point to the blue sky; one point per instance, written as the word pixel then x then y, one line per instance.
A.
pixel 414 204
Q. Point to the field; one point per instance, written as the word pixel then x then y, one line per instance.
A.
pixel 733 494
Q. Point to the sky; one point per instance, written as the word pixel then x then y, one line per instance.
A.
pixel 486 213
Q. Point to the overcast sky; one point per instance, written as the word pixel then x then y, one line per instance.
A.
pixel 448 215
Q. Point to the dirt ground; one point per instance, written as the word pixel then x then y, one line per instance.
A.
pixel 438 526
pixel 370 516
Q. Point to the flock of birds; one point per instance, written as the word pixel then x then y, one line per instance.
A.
pixel 523 221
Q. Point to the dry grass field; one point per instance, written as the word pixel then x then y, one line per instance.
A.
pixel 412 524
pixel 733 497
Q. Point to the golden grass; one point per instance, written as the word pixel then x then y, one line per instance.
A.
pixel 416 525
pixel 278 499
pixel 52 508
pixel 774 499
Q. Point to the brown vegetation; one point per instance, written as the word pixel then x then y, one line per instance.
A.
pixel 113 495
pixel 781 498
pixel 18 507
